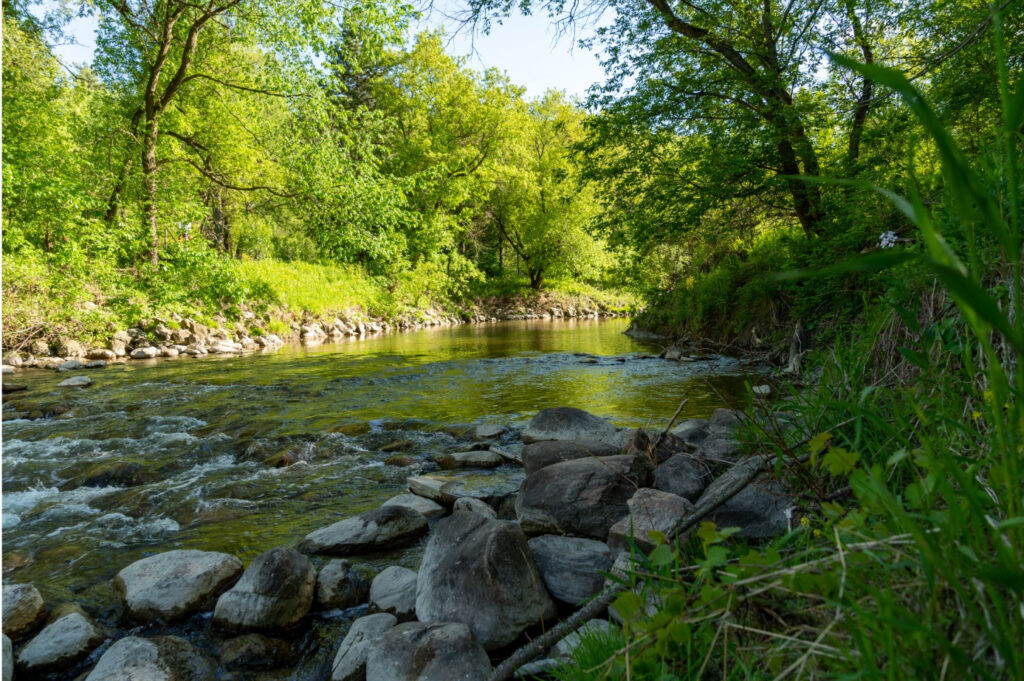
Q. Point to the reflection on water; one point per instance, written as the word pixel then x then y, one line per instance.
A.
pixel 182 453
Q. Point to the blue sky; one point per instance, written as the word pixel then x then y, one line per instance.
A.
pixel 530 49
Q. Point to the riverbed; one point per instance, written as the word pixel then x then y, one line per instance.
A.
pixel 242 454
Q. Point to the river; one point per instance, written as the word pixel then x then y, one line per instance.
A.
pixel 181 453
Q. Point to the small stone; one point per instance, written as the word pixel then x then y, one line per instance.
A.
pixel 472 505
pixel 70 365
pixel 61 643
pixel 488 431
pixel 76 382
pixel 23 609
pixel 428 508
pixel 101 354
pixel 400 460
pixel 394 591
pixel 474 459
pixel 761 390
pixel 96 364
pixel 144 353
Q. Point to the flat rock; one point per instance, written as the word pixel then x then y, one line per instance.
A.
pixel 539 455
pixel 584 497
pixel 60 644
pixel 350 660
pixel 569 423
pixel 474 459
pixel 70 365
pixel 684 475
pixel 428 508
pixel 650 510
pixel 96 364
pixel 572 567
pixel 23 609
pixel 481 572
pixel 416 651
pixel 75 382
pixel 472 505
pixel 490 487
pixel 342 584
pixel 394 591
pixel 162 658
pixel 488 431
pixel 380 528
pixel 175 584
pixel 275 591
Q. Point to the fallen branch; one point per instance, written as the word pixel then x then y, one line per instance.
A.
pixel 732 482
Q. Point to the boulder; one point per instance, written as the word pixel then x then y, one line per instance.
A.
pixel 7 659
pixel 471 505
pixel 428 508
pixel 394 591
pixel 175 584
pixel 573 568
pixel 148 352
pixel 683 475
pixel 39 348
pixel 480 572
pixel 23 609
pixel 60 644
pixel 380 528
pixel 275 591
pixel 726 419
pixel 418 651
pixel 538 455
pixel 760 509
pixel 569 423
pixel 720 451
pixel 76 382
pixel 350 660
pixel 341 584
pixel 70 365
pixel 162 658
pixel 474 459
pixel 101 353
pixel 692 432
pixel 69 348
pixel 584 497
pixel 96 364
pixel 254 651
pixel 650 510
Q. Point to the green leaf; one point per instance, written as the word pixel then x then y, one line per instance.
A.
pixel 628 605
pixel 838 461
pixel 819 442
pixel 662 555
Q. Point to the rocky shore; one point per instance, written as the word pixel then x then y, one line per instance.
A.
pixel 180 336
pixel 496 570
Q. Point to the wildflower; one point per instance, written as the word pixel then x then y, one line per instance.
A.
pixel 805 521
pixel 976 416
pixel 817 534
pixel 887 239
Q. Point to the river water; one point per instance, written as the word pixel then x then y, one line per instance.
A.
pixel 183 453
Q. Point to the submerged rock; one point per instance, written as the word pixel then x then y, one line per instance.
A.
pixel 394 591
pixel 569 423
pixel 175 584
pixel 379 528
pixel 76 382
pixel 350 660
pixel 584 497
pixel 481 572
pixel 275 591
pixel 416 651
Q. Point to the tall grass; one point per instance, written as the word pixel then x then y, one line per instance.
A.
pixel 906 559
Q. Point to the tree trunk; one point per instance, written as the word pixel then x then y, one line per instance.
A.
pixel 536 279
pixel 149 186
pixel 860 111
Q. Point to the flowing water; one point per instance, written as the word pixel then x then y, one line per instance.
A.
pixel 187 453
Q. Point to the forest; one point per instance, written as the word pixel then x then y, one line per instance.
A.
pixel 836 184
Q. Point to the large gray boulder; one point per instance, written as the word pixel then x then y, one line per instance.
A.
pixel 584 497
pixel 380 528
pixel 538 455
pixel 684 475
pixel 23 609
pixel 341 584
pixel 760 509
pixel 481 572
pixel 275 591
pixel 350 660
pixel 650 510
pixel 394 591
pixel 692 432
pixel 61 643
pixel 429 509
pixel 418 651
pixel 162 658
pixel 175 584
pixel 572 567
pixel 569 423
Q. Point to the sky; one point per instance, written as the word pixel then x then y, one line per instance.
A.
pixel 529 48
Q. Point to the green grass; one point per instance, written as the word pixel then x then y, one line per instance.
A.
pixel 318 289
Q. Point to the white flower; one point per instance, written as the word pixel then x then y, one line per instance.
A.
pixel 887 239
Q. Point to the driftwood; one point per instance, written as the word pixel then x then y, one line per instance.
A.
pixel 730 484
